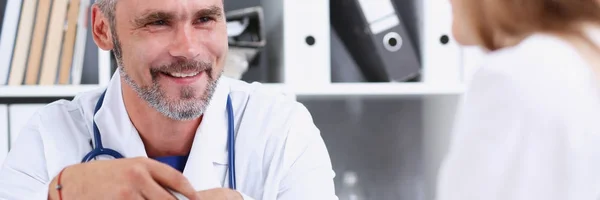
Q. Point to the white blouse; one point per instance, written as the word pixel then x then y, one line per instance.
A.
pixel 528 128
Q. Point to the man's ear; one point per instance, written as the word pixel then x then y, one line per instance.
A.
pixel 101 29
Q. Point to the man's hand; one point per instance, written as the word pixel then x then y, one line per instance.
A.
pixel 134 178
pixel 220 194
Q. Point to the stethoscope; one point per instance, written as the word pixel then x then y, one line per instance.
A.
pixel 99 150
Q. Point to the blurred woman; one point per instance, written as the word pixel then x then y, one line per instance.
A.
pixel 529 125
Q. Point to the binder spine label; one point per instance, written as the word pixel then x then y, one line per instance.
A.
pixel 374 10
pixel 384 24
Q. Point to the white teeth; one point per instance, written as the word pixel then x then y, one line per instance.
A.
pixel 182 75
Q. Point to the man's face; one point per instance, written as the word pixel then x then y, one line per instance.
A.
pixel 172 52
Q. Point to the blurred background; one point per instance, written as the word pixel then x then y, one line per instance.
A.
pixel 382 78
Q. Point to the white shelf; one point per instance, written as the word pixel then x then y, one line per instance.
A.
pixel 380 89
pixel 371 90
pixel 326 91
pixel 38 91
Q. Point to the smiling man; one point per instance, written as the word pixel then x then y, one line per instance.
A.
pixel 168 124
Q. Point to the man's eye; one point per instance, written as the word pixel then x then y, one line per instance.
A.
pixel 204 19
pixel 158 23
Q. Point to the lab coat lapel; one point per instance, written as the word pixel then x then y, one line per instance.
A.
pixel 210 143
pixel 113 122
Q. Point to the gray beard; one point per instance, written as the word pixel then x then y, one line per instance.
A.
pixel 187 107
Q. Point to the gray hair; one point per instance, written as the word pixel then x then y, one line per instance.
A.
pixel 108 8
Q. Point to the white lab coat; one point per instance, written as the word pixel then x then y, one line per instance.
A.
pixel 279 151
pixel 528 128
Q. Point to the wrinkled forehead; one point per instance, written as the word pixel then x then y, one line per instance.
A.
pixel 137 7
pixel 168 2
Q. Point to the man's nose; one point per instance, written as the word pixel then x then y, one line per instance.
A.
pixel 185 45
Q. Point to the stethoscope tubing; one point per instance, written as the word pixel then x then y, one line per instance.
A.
pixel 99 150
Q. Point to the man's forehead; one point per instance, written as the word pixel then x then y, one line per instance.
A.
pixel 139 5
pixel 164 2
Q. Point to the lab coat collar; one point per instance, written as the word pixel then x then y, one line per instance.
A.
pixel 113 122
pixel 210 142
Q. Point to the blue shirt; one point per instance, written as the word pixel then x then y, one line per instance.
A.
pixel 177 162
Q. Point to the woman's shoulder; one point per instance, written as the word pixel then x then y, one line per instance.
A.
pixel 539 56
pixel 541 62
pixel 542 72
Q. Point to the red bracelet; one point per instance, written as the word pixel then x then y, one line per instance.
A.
pixel 58 185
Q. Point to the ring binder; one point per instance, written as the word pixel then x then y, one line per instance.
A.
pixel 376 38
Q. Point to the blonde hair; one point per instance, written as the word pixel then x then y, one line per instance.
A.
pixel 496 19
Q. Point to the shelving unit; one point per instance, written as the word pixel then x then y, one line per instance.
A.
pixel 52 91
pixel 39 91
pixel 442 74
